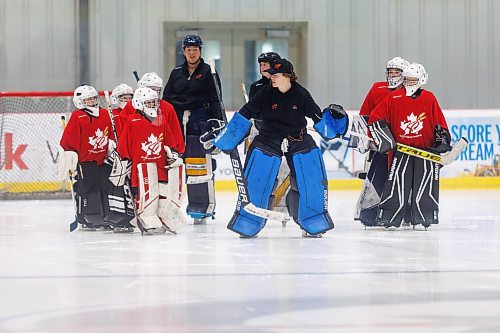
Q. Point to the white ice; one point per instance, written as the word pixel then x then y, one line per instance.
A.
pixel 206 279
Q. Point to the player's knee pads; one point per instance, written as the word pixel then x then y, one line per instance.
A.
pixel 169 205
pixel 148 196
pixel 260 173
pixel 88 188
pixel 200 179
pixel 425 192
pixel 233 133
pixel 312 186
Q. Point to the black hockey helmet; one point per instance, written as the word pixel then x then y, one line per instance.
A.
pixel 269 57
pixel 192 40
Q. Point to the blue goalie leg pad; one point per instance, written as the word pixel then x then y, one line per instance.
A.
pixel 260 171
pixel 329 127
pixel 312 184
pixel 233 133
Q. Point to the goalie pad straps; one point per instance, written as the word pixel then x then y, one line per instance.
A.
pixel 171 196
pixel 147 208
pixel 382 136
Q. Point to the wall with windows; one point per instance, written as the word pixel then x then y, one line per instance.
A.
pixel 346 43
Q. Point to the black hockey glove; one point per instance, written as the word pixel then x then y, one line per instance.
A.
pixel 442 142
pixel 206 139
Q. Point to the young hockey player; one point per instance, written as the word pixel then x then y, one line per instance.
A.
pixel 191 90
pixel 157 177
pixel 410 116
pixel 120 96
pixel 284 106
pixel 153 81
pixel 85 145
pixel 376 163
pixel 265 61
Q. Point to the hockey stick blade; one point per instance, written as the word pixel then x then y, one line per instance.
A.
pixel 264 213
pixel 73 225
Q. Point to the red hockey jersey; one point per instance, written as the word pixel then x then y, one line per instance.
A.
pixel 88 136
pixel 170 116
pixel 411 120
pixel 376 94
pixel 140 141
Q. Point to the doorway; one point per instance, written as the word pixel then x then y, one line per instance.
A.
pixel 235 48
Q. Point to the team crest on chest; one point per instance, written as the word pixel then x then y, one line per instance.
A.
pixel 274 106
pixel 152 147
pixel 99 140
pixel 413 125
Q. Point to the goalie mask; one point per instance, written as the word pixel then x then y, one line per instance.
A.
pixel 394 72
pixel 145 100
pixel 86 98
pixel 152 81
pixel 121 95
pixel 414 76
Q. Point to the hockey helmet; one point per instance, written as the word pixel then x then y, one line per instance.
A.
pixel 192 40
pixel 269 57
pixel 152 81
pixel 121 95
pixel 146 101
pixel 395 78
pixel 414 76
pixel 86 98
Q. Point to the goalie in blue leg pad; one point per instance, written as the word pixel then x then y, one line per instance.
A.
pixel 334 122
pixel 260 171
pixel 312 186
pixel 233 133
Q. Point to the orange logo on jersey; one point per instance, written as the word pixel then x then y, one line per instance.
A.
pixel 413 125
pixel 274 106
pixel 199 76
pixel 152 146
pixel 277 66
pixel 99 141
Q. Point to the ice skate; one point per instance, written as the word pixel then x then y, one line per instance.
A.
pixel 305 234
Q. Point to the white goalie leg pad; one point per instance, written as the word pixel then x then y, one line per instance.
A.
pixel 147 210
pixel 171 197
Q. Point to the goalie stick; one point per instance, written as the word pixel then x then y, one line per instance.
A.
pixel 73 225
pixel 136 76
pixel 241 183
pixel 443 159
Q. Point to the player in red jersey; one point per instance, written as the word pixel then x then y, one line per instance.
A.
pixel 84 146
pixel 154 82
pixel 120 96
pixel 157 170
pixel 413 117
pixel 376 166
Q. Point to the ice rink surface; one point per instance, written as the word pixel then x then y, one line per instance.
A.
pixel 206 279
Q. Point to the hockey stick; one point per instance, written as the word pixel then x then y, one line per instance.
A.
pixel 244 90
pixel 73 225
pixel 443 159
pixel 136 76
pixel 241 182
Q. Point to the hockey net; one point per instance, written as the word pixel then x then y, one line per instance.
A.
pixel 30 130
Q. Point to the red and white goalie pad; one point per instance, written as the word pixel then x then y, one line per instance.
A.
pixel 171 197
pixel 148 197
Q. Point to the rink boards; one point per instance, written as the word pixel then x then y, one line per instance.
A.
pixel 28 158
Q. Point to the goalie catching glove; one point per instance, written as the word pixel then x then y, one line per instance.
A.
pixel 207 138
pixel 173 158
pixel 334 122
pixel 67 163
pixel 442 142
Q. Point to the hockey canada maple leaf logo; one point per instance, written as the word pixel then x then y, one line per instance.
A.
pixel 99 141
pixel 413 125
pixel 152 146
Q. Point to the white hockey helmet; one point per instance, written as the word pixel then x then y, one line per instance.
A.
pixel 393 79
pixel 146 101
pixel 414 76
pixel 151 80
pixel 121 95
pixel 86 98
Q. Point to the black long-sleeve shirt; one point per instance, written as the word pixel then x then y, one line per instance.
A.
pixel 282 114
pixel 193 92
pixel 255 87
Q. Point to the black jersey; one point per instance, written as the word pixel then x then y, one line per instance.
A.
pixel 193 92
pixel 282 114
pixel 254 87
